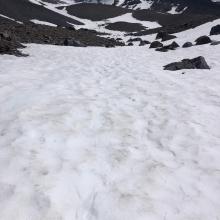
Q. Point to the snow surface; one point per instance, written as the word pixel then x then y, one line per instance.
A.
pixel 106 134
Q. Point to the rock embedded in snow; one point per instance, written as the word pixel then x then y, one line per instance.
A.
pixel 196 63
pixel 156 44
pixel 10 47
pixel 134 39
pixel 203 40
pixel 162 49
pixel 130 44
pixel 171 46
pixel 214 43
pixel 215 30
pixel 144 42
pixel 187 44
pixel 164 36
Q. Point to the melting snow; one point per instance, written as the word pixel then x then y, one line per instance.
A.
pixel 43 22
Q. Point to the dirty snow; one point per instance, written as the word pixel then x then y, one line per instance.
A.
pixel 43 22
pixel 103 134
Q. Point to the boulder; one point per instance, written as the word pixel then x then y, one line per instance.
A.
pixel 10 47
pixel 172 46
pixel 187 44
pixel 196 63
pixel 214 43
pixel 164 36
pixel 130 44
pixel 134 39
pixel 109 45
pixel 203 40
pixel 215 30
pixel 156 44
pixel 162 49
pixel 144 42
pixel 160 35
pixel 118 39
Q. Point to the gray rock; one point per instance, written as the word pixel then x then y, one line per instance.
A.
pixel 156 44
pixel 203 40
pixel 10 47
pixel 144 42
pixel 130 44
pixel 214 43
pixel 187 44
pixel 134 39
pixel 164 36
pixel 162 49
pixel 196 63
pixel 172 46
pixel 215 30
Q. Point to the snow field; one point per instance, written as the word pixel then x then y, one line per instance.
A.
pixel 103 134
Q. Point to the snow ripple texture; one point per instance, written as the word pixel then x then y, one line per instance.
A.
pixel 106 134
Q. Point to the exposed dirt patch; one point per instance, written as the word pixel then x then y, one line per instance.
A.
pixel 125 26
pixel 95 12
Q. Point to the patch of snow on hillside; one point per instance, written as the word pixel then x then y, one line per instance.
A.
pixel 144 4
pixel 42 22
pixel 130 19
pixel 3 16
pixel 174 10
pixel 37 2
pixel 190 35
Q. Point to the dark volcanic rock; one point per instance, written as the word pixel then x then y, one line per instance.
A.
pixel 164 36
pixel 109 45
pixel 214 43
pixel 130 44
pixel 156 44
pixel 172 46
pixel 144 42
pixel 134 39
pixel 203 40
pixel 10 47
pixel 187 44
pixel 41 34
pixel 196 63
pixel 162 49
pixel 215 30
